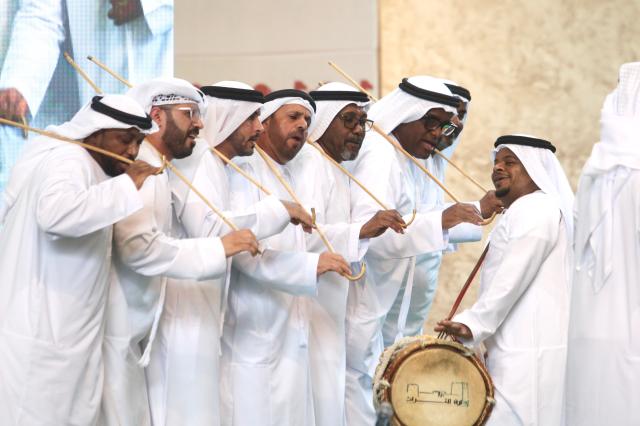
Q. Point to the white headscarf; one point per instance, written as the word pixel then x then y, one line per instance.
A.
pixel 84 123
pixel 400 107
pixel 545 170
pixel 619 151
pixel 272 106
pixel 167 91
pixel 327 110
pixel 224 116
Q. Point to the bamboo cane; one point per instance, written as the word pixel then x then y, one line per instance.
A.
pixel 82 73
pixel 110 71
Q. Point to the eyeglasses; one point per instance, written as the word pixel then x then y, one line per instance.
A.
pixel 351 121
pixel 432 123
pixel 192 113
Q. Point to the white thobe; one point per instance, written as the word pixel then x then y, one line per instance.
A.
pixel 265 357
pixel 390 263
pixel 425 276
pixel 522 312
pixel 327 190
pixel 55 258
pixel 603 368
pixel 147 253
pixel 183 373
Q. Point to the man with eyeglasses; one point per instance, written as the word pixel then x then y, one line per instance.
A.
pixel 416 115
pixel 339 128
pixel 425 278
pixel 147 251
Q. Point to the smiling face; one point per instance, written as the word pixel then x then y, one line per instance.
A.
pixel 420 137
pixel 340 141
pixel 510 178
pixel 286 131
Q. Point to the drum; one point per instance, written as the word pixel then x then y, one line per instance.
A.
pixel 430 381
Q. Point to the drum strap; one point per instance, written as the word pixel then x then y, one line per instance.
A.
pixel 467 284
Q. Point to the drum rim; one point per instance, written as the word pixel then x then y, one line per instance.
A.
pixel 405 352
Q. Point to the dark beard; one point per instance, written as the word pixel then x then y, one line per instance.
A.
pixel 502 192
pixel 175 139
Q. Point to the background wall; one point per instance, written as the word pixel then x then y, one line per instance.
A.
pixel 540 67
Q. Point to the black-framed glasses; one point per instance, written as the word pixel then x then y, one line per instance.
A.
pixel 351 121
pixel 432 123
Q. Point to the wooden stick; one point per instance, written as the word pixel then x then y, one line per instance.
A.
pixel 353 178
pixel 239 170
pixel 288 188
pixel 414 160
pixel 444 157
pixel 82 73
pixel 352 81
pixel 65 139
pixel 373 98
pixel 109 70
pixel 25 132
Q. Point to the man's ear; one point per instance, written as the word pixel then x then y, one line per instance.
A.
pixel 156 115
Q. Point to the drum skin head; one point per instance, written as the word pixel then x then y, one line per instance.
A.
pixel 437 383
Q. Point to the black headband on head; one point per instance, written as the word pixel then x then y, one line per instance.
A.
pixel 459 90
pixel 234 93
pixel 124 117
pixel 428 94
pixel 338 95
pixel 290 93
pixel 526 141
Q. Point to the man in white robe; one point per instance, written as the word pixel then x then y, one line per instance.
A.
pixel 339 128
pixel 55 247
pixel 149 251
pixel 406 115
pixel 265 358
pixel 431 196
pixel 184 368
pixel 522 310
pixel 603 369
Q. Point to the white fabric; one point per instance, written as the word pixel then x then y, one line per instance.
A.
pixel 544 168
pixel 521 314
pixel 183 373
pixel 265 357
pixel 327 110
pixel 327 190
pixel 224 116
pixel 147 253
pixel 84 123
pixel 390 263
pixel 400 107
pixel 604 332
pixel 146 94
pixel 55 251
pixel 272 106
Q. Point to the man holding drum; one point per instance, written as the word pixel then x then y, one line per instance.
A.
pixel 521 314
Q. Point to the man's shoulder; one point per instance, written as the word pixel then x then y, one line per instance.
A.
pixel 535 208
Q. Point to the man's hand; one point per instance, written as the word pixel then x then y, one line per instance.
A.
pixel 332 262
pixel 298 215
pixel 379 223
pixel 456 329
pixel 237 241
pixel 13 105
pixel 123 11
pixel 458 213
pixel 490 204
pixel 140 170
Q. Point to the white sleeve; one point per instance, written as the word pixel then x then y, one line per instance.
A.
pixel 289 272
pixel 34 49
pixel 525 252
pixel 146 249
pixel 158 14
pixel 68 205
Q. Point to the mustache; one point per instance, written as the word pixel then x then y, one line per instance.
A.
pixel 194 132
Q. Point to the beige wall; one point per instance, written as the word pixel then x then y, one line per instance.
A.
pixel 541 67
